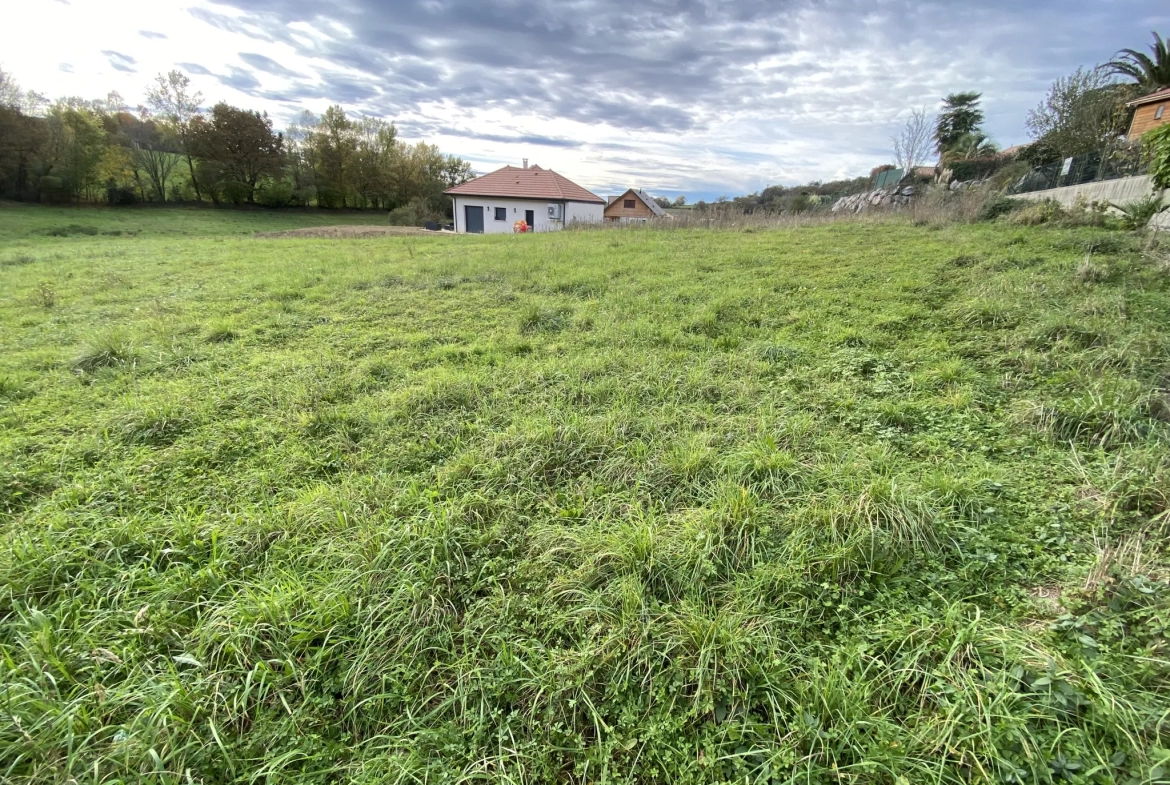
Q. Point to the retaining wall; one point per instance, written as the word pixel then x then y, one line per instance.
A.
pixel 1120 191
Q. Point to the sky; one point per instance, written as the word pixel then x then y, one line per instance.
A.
pixel 698 97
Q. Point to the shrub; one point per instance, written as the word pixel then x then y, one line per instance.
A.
pixel 999 205
pixel 121 197
pixel 1138 213
pixel 275 193
pixel 1156 145
pixel 416 212
pixel 1037 213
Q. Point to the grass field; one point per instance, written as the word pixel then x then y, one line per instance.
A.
pixel 848 503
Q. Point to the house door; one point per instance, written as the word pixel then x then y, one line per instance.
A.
pixel 530 219
pixel 474 216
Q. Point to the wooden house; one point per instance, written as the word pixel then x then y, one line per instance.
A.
pixel 634 206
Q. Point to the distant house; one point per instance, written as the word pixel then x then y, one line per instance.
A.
pixel 543 199
pixel 633 206
pixel 1150 112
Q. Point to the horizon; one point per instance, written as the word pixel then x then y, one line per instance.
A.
pixel 682 98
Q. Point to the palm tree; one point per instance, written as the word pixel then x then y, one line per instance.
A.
pixel 1149 73
pixel 969 146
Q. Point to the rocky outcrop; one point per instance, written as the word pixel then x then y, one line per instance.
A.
pixel 883 198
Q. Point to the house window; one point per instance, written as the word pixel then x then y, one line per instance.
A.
pixel 501 213
pixel 628 204
pixel 1161 110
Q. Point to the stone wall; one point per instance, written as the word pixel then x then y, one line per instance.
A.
pixel 889 198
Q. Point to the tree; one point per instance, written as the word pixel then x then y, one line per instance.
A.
pixel 170 97
pixel 336 148
pixel 21 138
pixel 961 115
pixel 680 201
pixel 10 92
pixel 27 102
pixel 239 147
pixel 1082 113
pixel 969 146
pixel 73 149
pixel 662 202
pixel 1150 74
pixel 913 145
pixel 153 150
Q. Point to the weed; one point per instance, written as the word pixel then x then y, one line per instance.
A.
pixel 537 319
pixel 110 349
pixel 1087 272
pixel 17 260
pixel 45 295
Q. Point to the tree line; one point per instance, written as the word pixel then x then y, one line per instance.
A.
pixel 173 149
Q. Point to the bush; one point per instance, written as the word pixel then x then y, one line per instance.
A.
pixel 121 197
pixel 975 169
pixel 1137 214
pixel 1156 145
pixel 275 193
pixel 416 212
pixel 999 205
pixel 1037 213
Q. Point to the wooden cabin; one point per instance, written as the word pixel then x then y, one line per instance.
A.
pixel 634 206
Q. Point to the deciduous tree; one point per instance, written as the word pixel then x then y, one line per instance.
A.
pixel 171 98
pixel 913 145
pixel 239 147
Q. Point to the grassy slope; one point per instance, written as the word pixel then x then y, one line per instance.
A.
pixel 618 506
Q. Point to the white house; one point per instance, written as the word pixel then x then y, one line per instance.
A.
pixel 543 199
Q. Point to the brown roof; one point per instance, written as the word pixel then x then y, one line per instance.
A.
pixel 530 183
pixel 1152 98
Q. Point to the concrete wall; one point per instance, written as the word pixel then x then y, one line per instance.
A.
pixel 514 211
pixel 1120 191
pixel 583 212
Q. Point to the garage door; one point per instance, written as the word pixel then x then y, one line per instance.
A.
pixel 474 217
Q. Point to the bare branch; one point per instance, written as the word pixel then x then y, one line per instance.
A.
pixel 913 145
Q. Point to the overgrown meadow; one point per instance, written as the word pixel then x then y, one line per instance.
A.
pixel 856 502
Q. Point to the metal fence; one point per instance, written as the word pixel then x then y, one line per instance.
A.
pixel 1089 168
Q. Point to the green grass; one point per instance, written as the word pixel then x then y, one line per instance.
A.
pixel 681 506
pixel 25 226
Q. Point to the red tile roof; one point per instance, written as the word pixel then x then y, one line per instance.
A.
pixel 531 183
pixel 1152 98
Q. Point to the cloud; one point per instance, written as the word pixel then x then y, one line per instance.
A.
pixel 150 34
pixel 266 64
pixel 745 94
pixel 195 68
pixel 121 62
pixel 65 68
pixel 517 138
pixel 700 96
pixel 241 80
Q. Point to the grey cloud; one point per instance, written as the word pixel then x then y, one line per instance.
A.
pixel 195 68
pixel 244 81
pixel 266 64
pixel 519 138
pixel 65 67
pixel 120 62
pixel 150 34
pixel 831 78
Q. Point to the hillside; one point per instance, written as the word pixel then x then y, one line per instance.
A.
pixel 853 502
